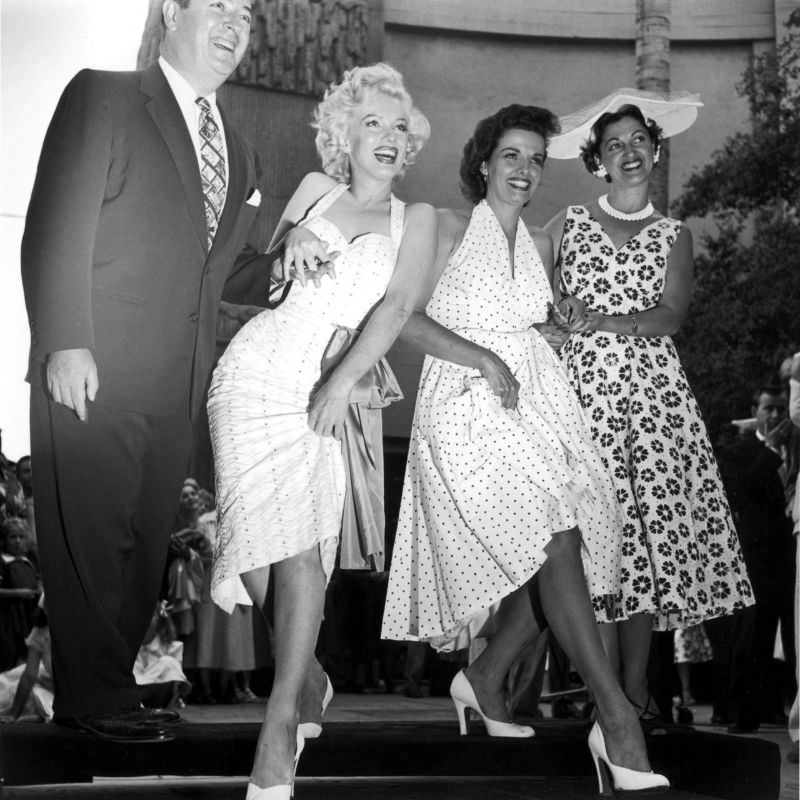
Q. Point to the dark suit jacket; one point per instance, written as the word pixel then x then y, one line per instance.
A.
pixel 114 254
pixel 755 491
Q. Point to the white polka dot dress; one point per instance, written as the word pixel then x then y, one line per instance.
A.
pixel 681 560
pixel 485 487
pixel 280 486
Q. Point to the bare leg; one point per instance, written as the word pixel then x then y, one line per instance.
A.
pixel 566 603
pixel 314 687
pixel 515 629
pixel 299 600
pixel 610 637
pixel 634 647
pixel 256 583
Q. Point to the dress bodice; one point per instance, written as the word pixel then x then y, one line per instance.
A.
pixel 363 268
pixel 624 280
pixel 477 289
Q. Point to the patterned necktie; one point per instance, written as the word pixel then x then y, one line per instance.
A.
pixel 212 168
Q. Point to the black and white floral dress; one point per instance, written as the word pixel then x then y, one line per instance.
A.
pixel 681 559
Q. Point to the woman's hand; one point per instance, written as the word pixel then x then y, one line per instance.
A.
pixel 571 309
pixel 304 256
pixel 328 410
pixel 590 321
pixel 500 378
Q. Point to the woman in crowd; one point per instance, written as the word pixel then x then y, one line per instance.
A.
pixel 277 419
pixel 504 491
pixel 631 271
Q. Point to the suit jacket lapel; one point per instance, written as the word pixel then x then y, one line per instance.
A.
pixel 164 110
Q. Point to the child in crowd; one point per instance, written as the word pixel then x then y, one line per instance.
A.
pixel 159 664
pixel 20 588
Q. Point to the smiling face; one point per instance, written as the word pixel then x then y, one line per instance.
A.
pixel 378 137
pixel 205 41
pixel 515 167
pixel 626 151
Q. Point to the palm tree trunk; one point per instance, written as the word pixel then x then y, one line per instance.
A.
pixel 653 74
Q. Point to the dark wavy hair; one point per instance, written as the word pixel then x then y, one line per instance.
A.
pixel 590 152
pixel 488 133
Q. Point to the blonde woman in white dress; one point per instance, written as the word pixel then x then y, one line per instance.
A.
pixel 276 422
pixel 505 494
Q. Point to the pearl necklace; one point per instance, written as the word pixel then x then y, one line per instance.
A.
pixel 636 216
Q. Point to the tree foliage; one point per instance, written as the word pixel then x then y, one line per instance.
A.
pixel 745 313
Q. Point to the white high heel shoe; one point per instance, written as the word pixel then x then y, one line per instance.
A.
pixel 283 791
pixel 610 777
pixel 312 730
pixel 464 700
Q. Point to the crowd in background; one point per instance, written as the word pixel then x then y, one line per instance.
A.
pixel 742 665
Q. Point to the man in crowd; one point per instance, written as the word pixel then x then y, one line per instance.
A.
pixel 143 198
pixel 752 470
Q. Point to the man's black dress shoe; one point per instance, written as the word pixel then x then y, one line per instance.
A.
pixel 122 726
pixel 165 716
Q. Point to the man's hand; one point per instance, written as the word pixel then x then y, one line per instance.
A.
pixel 71 377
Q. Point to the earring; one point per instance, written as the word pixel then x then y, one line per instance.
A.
pixel 600 171
pixel 657 156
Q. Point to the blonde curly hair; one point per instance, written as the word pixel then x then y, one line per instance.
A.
pixel 333 115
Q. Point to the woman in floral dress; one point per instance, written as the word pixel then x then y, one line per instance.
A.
pixel 630 270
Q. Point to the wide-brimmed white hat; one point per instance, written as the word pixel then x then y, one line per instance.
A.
pixel 673 111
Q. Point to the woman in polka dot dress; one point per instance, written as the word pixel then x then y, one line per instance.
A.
pixel 631 268
pixel 504 492
pixel 276 422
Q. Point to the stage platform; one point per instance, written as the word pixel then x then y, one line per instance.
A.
pixel 386 758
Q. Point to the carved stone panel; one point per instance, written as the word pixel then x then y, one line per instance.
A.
pixel 304 45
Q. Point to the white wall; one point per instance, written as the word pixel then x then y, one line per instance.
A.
pixel 43 43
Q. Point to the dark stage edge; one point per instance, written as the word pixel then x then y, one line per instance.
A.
pixel 696 762
pixel 337 789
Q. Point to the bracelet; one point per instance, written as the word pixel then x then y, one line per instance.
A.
pixel 634 325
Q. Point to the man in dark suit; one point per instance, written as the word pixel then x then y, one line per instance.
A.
pixel 752 472
pixel 138 213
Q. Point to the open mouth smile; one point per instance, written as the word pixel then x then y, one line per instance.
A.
pixel 521 184
pixel 224 44
pixel 386 155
